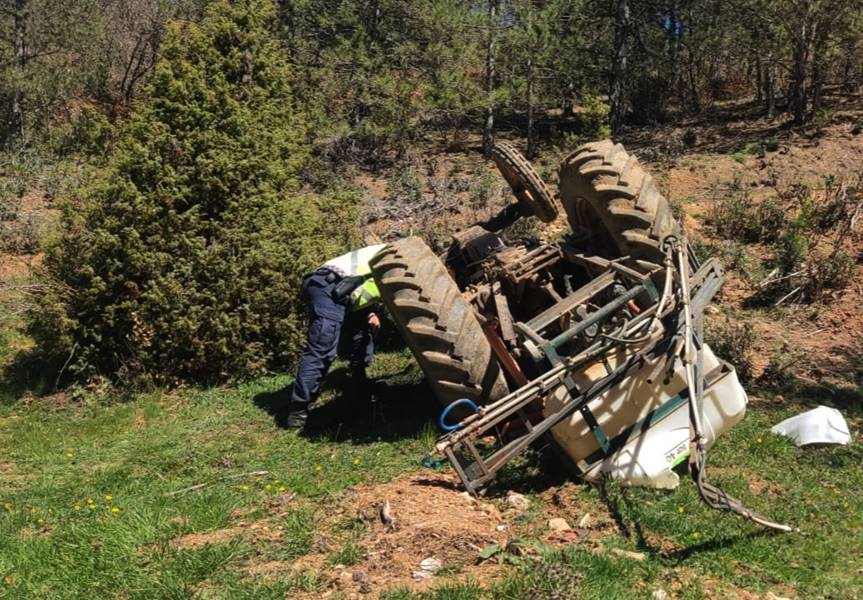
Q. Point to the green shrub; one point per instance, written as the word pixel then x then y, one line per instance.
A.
pixel 404 187
pixel 184 261
pixel 593 119
pixel 732 340
pixel 730 214
pixel 484 190
pixel 735 216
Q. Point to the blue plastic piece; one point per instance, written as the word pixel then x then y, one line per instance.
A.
pixel 462 401
pixel 429 461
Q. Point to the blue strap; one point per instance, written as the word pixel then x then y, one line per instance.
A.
pixel 462 401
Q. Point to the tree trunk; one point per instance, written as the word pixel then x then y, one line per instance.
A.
pixel 617 98
pixel 848 84
pixel 817 85
pixel 759 69
pixel 531 134
pixel 819 68
pixel 674 32
pixel 567 108
pixel 20 26
pixel 769 91
pixel 488 130
pixel 801 58
pixel 759 81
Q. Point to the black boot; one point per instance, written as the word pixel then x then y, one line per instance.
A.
pixel 362 385
pixel 298 414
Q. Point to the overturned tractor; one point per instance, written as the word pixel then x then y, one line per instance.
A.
pixel 594 342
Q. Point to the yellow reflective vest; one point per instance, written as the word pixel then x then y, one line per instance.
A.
pixel 356 262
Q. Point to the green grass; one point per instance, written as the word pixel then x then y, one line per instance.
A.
pixel 136 456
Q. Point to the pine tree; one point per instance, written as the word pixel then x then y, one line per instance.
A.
pixel 186 260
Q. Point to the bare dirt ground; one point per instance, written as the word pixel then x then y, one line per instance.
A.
pixel 432 522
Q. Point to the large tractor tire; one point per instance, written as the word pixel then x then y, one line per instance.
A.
pixel 604 190
pixel 438 323
pixel 534 197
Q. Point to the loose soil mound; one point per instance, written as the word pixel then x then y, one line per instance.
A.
pixel 431 518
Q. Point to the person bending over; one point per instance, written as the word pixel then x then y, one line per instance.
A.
pixel 341 295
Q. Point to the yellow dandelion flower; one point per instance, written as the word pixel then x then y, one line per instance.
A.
pixel 90 501
pixel 32 511
pixel 108 497
pixel 91 507
pixel 317 468
pixel 115 509
pixel 696 535
pixel 277 482
pixel 245 488
pixel 7 505
pixel 268 487
pixel 40 521
pixel 70 456
pixel 77 507
pixel 680 509
pixel 281 488
pixel 845 504
pixel 759 440
pixel 356 461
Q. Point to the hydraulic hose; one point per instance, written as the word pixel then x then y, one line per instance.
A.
pixel 445 413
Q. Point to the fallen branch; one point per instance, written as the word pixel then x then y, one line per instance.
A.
pixel 788 295
pixel 768 281
pixel 198 486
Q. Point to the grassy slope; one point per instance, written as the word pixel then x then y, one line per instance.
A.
pixel 54 545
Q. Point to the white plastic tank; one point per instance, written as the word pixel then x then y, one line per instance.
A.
pixel 648 449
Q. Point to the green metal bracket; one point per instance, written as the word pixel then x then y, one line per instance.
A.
pixel 620 440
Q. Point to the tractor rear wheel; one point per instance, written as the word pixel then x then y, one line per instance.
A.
pixel 438 323
pixel 604 189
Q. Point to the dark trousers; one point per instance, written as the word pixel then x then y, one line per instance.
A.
pixel 328 322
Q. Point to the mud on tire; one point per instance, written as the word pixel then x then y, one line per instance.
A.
pixel 438 323
pixel 604 188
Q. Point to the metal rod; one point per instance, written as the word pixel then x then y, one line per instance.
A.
pixel 603 312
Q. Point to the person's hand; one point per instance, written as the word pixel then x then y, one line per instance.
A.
pixel 374 321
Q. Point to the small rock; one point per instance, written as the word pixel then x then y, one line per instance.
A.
pixel 628 554
pixel 659 594
pixel 386 514
pixel 558 524
pixel 431 565
pixel 586 521
pixel 339 567
pixel 358 575
pixel 517 501
pixel 501 527
pixel 365 588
